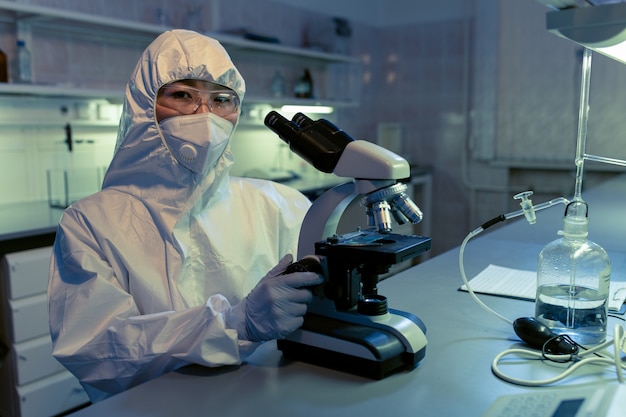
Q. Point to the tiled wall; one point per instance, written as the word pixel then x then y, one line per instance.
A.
pixel 525 110
pixel 33 145
pixel 416 75
pixel 490 102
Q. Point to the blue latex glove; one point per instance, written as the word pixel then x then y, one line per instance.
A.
pixel 276 306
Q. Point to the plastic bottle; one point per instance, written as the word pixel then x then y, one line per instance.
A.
pixel 304 86
pixel 23 68
pixel 573 278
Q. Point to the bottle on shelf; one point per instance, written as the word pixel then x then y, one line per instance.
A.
pixel 4 73
pixel 277 85
pixel 573 278
pixel 304 86
pixel 343 32
pixel 23 69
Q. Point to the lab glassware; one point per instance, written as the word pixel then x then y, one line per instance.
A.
pixel 573 278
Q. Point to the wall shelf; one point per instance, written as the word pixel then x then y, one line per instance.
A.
pixel 241 43
pixel 42 15
pixel 34 14
pixel 60 91
pixel 86 24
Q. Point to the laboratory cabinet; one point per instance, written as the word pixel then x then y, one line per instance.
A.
pixel 33 383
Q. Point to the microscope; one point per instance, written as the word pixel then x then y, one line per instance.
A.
pixel 349 326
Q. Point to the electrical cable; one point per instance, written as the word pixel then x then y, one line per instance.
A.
pixel 578 361
pixel 466 281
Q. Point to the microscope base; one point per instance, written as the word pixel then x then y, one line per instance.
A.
pixel 354 348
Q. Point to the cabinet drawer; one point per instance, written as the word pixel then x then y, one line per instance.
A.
pixel 51 396
pixel 30 317
pixel 34 360
pixel 27 272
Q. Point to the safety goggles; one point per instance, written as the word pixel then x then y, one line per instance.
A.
pixel 187 100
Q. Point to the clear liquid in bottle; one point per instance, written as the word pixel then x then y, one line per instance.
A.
pixel 581 314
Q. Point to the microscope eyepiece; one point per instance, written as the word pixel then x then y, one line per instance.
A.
pixel 302 120
pixel 284 128
pixel 320 143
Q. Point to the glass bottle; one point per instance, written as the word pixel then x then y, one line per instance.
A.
pixel 573 278
pixel 304 86
pixel 4 73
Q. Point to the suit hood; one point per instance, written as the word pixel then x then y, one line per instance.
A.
pixel 141 165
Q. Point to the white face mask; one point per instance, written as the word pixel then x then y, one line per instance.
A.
pixel 198 140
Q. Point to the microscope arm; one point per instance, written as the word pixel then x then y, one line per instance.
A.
pixel 359 159
pixel 323 217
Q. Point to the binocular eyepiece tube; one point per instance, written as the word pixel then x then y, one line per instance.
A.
pixel 319 142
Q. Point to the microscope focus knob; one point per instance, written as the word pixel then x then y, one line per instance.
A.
pixel 304 265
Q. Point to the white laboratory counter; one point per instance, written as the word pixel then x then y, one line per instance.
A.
pixel 21 220
pixel 454 379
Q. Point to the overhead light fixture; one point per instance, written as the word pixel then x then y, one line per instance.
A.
pixel 307 109
pixel 601 28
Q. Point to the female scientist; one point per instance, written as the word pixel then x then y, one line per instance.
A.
pixel 160 269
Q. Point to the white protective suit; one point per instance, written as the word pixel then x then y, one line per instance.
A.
pixel 143 271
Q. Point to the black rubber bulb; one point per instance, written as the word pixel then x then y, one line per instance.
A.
pixel 536 334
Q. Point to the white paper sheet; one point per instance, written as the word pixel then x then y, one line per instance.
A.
pixel 517 283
